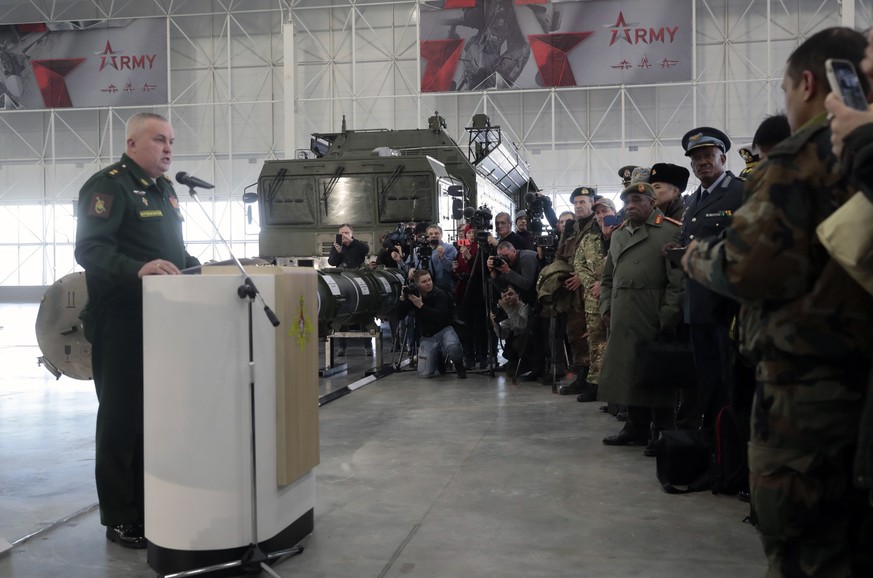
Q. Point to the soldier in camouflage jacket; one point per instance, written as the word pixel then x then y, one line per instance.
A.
pixel 807 325
pixel 588 263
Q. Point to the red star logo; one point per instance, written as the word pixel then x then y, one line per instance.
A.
pixel 50 75
pixel 441 57
pixel 621 30
pixel 550 52
pixel 107 55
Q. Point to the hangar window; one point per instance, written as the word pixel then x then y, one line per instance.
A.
pixel 289 201
pixel 406 198
pixel 345 200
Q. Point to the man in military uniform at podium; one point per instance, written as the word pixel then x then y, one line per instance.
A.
pixel 130 225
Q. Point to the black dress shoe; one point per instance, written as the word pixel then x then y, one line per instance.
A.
pixel 572 388
pixel 127 535
pixel 626 437
pixel 651 450
pixel 744 496
pixel 590 393
pixel 461 371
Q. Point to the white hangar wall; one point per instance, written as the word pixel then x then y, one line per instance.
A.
pixel 234 103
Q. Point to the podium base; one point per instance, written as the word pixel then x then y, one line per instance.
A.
pixel 170 561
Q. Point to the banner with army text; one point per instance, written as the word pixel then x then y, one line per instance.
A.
pixel 479 44
pixel 83 64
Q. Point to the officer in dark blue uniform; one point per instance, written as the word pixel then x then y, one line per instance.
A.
pixel 708 314
pixel 130 225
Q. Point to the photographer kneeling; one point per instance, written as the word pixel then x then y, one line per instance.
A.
pixel 512 319
pixel 433 309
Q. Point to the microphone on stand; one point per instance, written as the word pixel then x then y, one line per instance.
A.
pixel 191 181
pixel 247 289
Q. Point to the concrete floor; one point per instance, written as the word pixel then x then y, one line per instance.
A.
pixel 418 478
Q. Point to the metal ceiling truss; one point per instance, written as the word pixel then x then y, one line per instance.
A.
pixel 359 58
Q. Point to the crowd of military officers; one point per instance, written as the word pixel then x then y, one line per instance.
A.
pixel 731 273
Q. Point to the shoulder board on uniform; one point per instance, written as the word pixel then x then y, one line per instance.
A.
pixel 115 170
pixel 623 223
pixel 166 178
pixel 674 221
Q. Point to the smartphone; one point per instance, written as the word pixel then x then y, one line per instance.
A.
pixel 844 81
pixel 612 220
pixel 339 239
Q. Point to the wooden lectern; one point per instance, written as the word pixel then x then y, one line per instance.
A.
pixel 197 414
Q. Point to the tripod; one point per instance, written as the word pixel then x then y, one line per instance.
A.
pixel 253 558
pixel 479 271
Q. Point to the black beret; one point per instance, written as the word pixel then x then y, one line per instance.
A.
pixel 587 191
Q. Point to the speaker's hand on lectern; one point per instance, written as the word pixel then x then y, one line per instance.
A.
pixel 158 267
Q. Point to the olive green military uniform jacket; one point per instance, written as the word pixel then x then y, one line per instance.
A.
pixel 125 220
pixel 796 301
pixel 640 290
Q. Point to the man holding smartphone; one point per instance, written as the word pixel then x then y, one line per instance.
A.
pixel 806 323
pixel 350 253
pixel 347 252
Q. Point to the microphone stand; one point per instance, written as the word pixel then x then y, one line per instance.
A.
pixel 253 559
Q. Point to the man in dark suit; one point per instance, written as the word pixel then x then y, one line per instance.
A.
pixel 708 314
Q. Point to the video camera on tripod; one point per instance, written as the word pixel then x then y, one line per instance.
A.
pixel 480 219
pixel 536 205
pixel 402 235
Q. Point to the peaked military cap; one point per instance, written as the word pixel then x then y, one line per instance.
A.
pixel 587 191
pixel 625 173
pixel 705 136
pixel 670 174
pixel 749 153
pixel 603 201
pixel 639 188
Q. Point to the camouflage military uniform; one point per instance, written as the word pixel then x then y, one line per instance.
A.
pixel 588 263
pixel 807 324
pixel 566 252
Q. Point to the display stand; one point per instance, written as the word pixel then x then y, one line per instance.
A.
pixel 198 416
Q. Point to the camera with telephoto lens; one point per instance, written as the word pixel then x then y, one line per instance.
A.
pixel 499 313
pixel 410 289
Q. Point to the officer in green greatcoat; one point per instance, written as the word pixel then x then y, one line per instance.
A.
pixel 129 226
pixel 639 302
